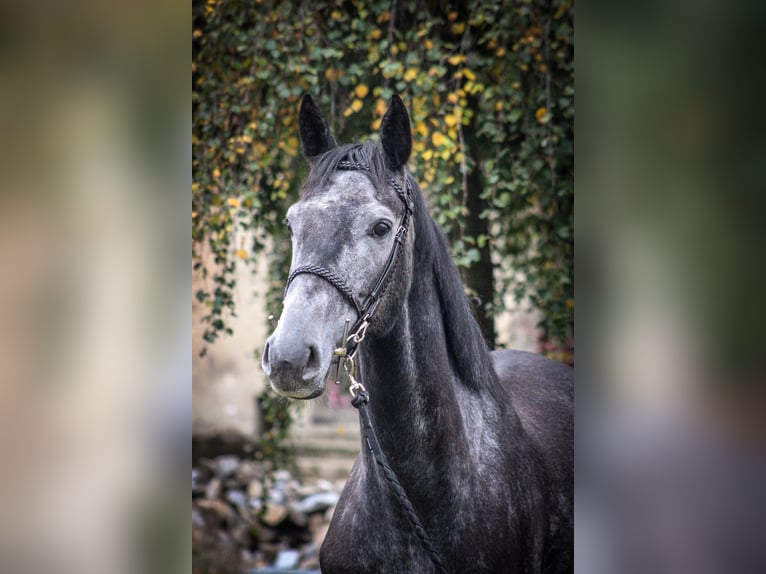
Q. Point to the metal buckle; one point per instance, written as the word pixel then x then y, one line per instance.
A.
pixel 359 335
pixel 355 387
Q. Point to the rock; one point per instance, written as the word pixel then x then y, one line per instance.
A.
pixel 325 485
pixel 226 465
pixel 213 489
pixel 218 508
pixel 296 516
pixel 282 475
pixel 249 471
pixel 287 559
pixel 275 514
pixel 255 489
pixel 197 519
pixel 239 499
pixel 277 496
pixel 309 558
pixel 318 502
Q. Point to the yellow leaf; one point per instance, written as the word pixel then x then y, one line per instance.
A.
pixel 499 105
pixel 469 74
pixel 450 120
pixel 452 16
pixel 356 105
pixel 456 59
pixel 428 44
pixel 422 129
pixel 452 98
pixel 216 172
pixel 233 202
pixel 428 154
pixel 458 27
pixel 361 90
pixel 336 15
pixel 438 139
pixel 375 34
pixel 242 254
pixel 543 115
pixel 385 16
pixel 500 52
pixel 376 124
pixel 410 75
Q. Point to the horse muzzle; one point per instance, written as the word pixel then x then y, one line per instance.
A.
pixel 294 366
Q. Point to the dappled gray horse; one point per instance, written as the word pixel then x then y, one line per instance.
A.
pixel 481 442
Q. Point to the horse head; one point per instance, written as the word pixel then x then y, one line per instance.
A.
pixel 352 255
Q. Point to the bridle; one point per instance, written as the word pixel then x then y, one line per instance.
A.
pixel 365 310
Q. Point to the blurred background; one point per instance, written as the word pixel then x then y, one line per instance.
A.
pixel 95 364
pixel 95 360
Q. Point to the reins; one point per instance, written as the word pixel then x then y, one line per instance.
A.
pixel 347 352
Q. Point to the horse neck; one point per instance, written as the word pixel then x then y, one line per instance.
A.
pixel 421 400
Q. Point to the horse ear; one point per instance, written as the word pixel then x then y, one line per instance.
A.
pixel 316 138
pixel 395 134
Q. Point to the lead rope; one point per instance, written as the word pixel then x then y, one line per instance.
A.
pixel 360 399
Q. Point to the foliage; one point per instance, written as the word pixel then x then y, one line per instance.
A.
pixel 489 85
pixel 277 420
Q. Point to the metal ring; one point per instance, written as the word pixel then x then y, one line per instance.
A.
pixel 356 388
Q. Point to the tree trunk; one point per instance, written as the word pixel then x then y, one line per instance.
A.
pixel 479 277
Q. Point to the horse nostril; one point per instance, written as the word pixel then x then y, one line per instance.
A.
pixel 265 358
pixel 312 364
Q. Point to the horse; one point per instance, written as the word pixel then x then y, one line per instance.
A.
pixel 481 441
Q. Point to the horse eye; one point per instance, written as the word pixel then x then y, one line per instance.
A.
pixel 381 228
pixel 289 227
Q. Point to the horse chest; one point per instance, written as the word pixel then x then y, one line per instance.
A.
pixel 370 533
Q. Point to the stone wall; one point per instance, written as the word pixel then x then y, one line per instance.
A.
pixel 227 380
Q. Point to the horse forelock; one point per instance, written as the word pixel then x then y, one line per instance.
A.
pixel 369 154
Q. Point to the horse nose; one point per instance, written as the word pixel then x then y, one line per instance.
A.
pixel 291 362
